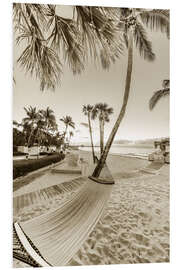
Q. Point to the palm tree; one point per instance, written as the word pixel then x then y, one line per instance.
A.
pixel 49 119
pixel 39 130
pixel 87 110
pixel 16 124
pixel 159 94
pixel 31 120
pixel 46 38
pixel 92 32
pixel 71 134
pixel 131 25
pixel 102 111
pixel 67 120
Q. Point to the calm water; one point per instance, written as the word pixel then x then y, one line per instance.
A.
pixel 141 151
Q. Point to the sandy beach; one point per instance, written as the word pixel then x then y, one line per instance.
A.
pixel 134 227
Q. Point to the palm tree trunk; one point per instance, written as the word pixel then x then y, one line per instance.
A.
pixel 90 132
pixel 104 155
pixel 101 127
pixel 30 136
pixel 65 132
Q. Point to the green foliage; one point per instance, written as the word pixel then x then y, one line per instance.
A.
pixel 22 167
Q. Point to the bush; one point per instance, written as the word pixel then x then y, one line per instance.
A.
pixel 22 167
pixel 18 154
pixel 43 154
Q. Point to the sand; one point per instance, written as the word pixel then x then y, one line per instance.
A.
pixel 134 227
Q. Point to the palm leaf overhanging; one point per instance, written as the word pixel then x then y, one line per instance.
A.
pixel 142 43
pixel 156 19
pixel 50 40
pixel 157 96
pixel 160 94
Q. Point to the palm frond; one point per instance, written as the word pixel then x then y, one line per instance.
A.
pixel 103 111
pixel 99 34
pixel 34 20
pixel 157 96
pixel 95 111
pixel 142 43
pixel 42 61
pixel 24 34
pixel 66 36
pixel 166 83
pixel 156 19
pixel 17 14
pixel 87 109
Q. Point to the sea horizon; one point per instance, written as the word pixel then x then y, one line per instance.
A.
pixel 130 150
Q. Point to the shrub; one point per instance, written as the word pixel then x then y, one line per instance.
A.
pixel 18 154
pixel 43 154
pixel 22 167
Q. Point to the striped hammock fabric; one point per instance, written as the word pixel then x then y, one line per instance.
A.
pixel 53 238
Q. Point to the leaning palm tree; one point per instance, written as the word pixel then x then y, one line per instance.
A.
pixel 160 94
pixel 102 111
pixel 131 25
pixel 67 120
pixel 87 110
pixel 31 120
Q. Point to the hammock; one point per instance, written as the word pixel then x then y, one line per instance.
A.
pixel 53 238
pixel 45 195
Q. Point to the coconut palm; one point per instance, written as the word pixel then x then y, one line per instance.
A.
pixel 102 111
pixel 71 134
pixel 49 118
pixel 159 94
pixel 16 124
pixel 131 24
pixel 87 110
pixel 39 130
pixel 31 120
pixel 67 120
pixel 48 39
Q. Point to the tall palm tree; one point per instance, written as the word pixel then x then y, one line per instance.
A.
pixel 131 24
pixel 31 120
pixel 39 130
pixel 71 134
pixel 67 120
pixel 102 111
pixel 87 110
pixel 16 124
pixel 45 37
pixel 49 119
pixel 159 94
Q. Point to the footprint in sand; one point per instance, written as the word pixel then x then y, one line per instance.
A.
pixel 166 228
pixel 158 211
pixel 123 241
pixel 141 239
pixel 165 245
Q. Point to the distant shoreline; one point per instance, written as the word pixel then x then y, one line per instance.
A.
pixel 123 145
pixel 130 155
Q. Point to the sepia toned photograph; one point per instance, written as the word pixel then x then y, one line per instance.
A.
pixel 91 143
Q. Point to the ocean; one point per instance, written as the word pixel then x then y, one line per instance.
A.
pixel 141 151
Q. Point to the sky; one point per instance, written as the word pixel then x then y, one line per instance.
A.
pixel 96 85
